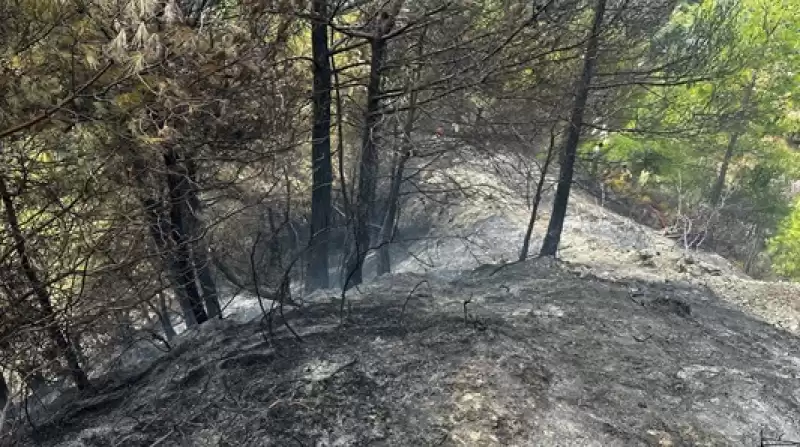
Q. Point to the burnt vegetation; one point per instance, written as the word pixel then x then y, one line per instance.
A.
pixel 160 158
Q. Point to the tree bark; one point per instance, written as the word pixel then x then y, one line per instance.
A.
pixel 178 185
pixel 719 184
pixel 199 248
pixel 5 397
pixel 390 219
pixel 317 276
pixel 163 317
pixel 158 225
pixel 41 293
pixel 368 166
pixel 206 278
pixel 537 199
pixel 159 232
pixel 275 258
pixel 556 224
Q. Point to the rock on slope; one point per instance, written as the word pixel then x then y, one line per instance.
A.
pixel 535 353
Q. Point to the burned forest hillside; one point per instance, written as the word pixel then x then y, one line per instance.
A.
pixel 629 339
pixel 401 222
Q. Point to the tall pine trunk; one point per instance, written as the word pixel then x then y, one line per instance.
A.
pixel 556 224
pixel 158 225
pixel 390 219
pixel 368 166
pixel 178 194
pixel 33 276
pixel 319 244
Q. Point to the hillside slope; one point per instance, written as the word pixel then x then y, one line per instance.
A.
pixel 489 228
pixel 627 341
pixel 544 355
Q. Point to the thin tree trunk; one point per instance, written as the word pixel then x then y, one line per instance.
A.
pixel 5 400
pixel 390 219
pixel 41 293
pixel 537 199
pixel 368 166
pixel 756 244
pixel 348 212
pixel 719 184
pixel 160 235
pixel 206 278
pixel 159 228
pixel 317 276
pixel 75 339
pixel 178 183
pixel 163 317
pixel 275 258
pixel 199 249
pixel 556 224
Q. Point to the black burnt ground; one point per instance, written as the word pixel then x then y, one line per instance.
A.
pixel 547 355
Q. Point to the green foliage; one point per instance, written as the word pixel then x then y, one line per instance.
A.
pixel 784 247
pixel 681 133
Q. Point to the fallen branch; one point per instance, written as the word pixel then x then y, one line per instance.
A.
pixel 408 298
pixel 163 438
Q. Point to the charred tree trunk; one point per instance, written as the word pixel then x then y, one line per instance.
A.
pixel 368 167
pixel 317 276
pixel 178 186
pixel 158 226
pixel 275 257
pixel 33 276
pixel 76 339
pixel 348 213
pixel 390 219
pixel 206 278
pixel 5 398
pixel 163 317
pixel 159 232
pixel 537 198
pixel 199 249
pixel 556 224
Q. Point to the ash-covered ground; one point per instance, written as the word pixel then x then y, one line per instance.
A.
pixel 627 341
